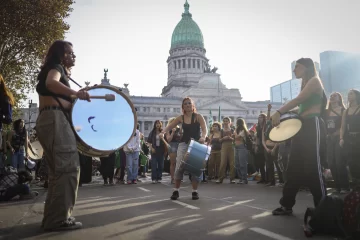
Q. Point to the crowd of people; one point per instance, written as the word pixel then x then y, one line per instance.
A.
pixel 329 138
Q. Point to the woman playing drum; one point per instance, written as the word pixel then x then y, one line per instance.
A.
pixel 304 167
pixel 191 124
pixel 57 137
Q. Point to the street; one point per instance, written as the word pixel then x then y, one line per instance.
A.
pixel 145 211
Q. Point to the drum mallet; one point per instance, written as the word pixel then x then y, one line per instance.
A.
pixel 107 97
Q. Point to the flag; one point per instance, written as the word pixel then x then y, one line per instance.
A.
pixel 253 128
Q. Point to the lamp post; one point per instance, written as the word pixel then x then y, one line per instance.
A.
pixel 30 104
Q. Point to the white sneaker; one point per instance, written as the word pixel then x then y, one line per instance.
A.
pixel 153 182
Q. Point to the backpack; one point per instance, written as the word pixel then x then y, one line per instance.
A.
pixel 351 210
pixel 326 218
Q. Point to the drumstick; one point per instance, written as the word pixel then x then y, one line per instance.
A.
pixel 107 97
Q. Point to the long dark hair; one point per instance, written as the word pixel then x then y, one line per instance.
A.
pixel 241 125
pixel 55 54
pixel 357 96
pixel 310 72
pixel 16 125
pixel 154 127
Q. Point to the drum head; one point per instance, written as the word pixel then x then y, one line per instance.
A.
pixel 286 130
pixel 37 151
pixel 103 126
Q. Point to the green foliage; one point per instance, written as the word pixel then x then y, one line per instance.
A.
pixel 27 29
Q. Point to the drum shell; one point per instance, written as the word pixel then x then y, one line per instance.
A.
pixel 38 150
pixel 198 154
pixel 87 150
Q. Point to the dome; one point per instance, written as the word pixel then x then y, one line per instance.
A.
pixel 187 32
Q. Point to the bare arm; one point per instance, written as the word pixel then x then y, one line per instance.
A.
pixel 203 126
pixel 26 142
pixel 312 87
pixel 54 85
pixel 173 124
pixel 263 140
pixel 343 125
pixel 169 136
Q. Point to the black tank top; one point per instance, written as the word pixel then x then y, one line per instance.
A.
pixel 353 121
pixel 176 138
pixel 191 130
pixel 333 123
pixel 18 140
pixel 41 86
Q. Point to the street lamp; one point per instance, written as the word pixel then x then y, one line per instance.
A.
pixel 30 104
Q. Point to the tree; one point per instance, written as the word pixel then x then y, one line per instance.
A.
pixel 27 28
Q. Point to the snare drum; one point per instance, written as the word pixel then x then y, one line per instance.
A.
pixel 290 125
pixel 103 126
pixel 37 151
pixel 198 154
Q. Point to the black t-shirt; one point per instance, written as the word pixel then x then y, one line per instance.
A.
pixel 41 86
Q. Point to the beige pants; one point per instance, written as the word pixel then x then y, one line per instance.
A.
pixel 61 154
pixel 214 164
pixel 227 157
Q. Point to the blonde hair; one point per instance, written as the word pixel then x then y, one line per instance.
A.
pixel 5 91
pixel 171 120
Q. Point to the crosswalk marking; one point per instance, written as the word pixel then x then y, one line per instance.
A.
pixel 269 234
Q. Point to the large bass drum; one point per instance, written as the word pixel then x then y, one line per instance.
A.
pixel 102 127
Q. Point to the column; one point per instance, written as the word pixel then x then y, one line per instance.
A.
pixel 142 127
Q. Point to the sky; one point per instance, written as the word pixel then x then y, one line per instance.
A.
pixel 252 42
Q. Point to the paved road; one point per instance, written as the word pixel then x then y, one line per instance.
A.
pixel 145 211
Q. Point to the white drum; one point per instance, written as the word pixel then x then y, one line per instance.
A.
pixel 103 126
pixel 290 125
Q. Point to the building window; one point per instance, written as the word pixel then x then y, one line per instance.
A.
pixel 193 63
pixel 175 64
pixel 189 63
pixel 144 109
pixel 198 64
pixel 174 109
pixel 158 110
pixel 183 63
pixel 146 126
pixel 179 64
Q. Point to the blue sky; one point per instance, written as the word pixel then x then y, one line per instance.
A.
pixel 251 42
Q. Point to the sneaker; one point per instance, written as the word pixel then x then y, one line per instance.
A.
pixel 106 183
pixel 282 211
pixel 68 225
pixel 153 182
pixel 175 195
pixel 129 182
pixel 134 182
pixel 232 181
pixel 195 196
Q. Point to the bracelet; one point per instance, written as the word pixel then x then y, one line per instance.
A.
pixel 279 112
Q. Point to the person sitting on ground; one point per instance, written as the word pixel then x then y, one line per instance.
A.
pixel 13 183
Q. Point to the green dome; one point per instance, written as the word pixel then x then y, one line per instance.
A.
pixel 187 32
